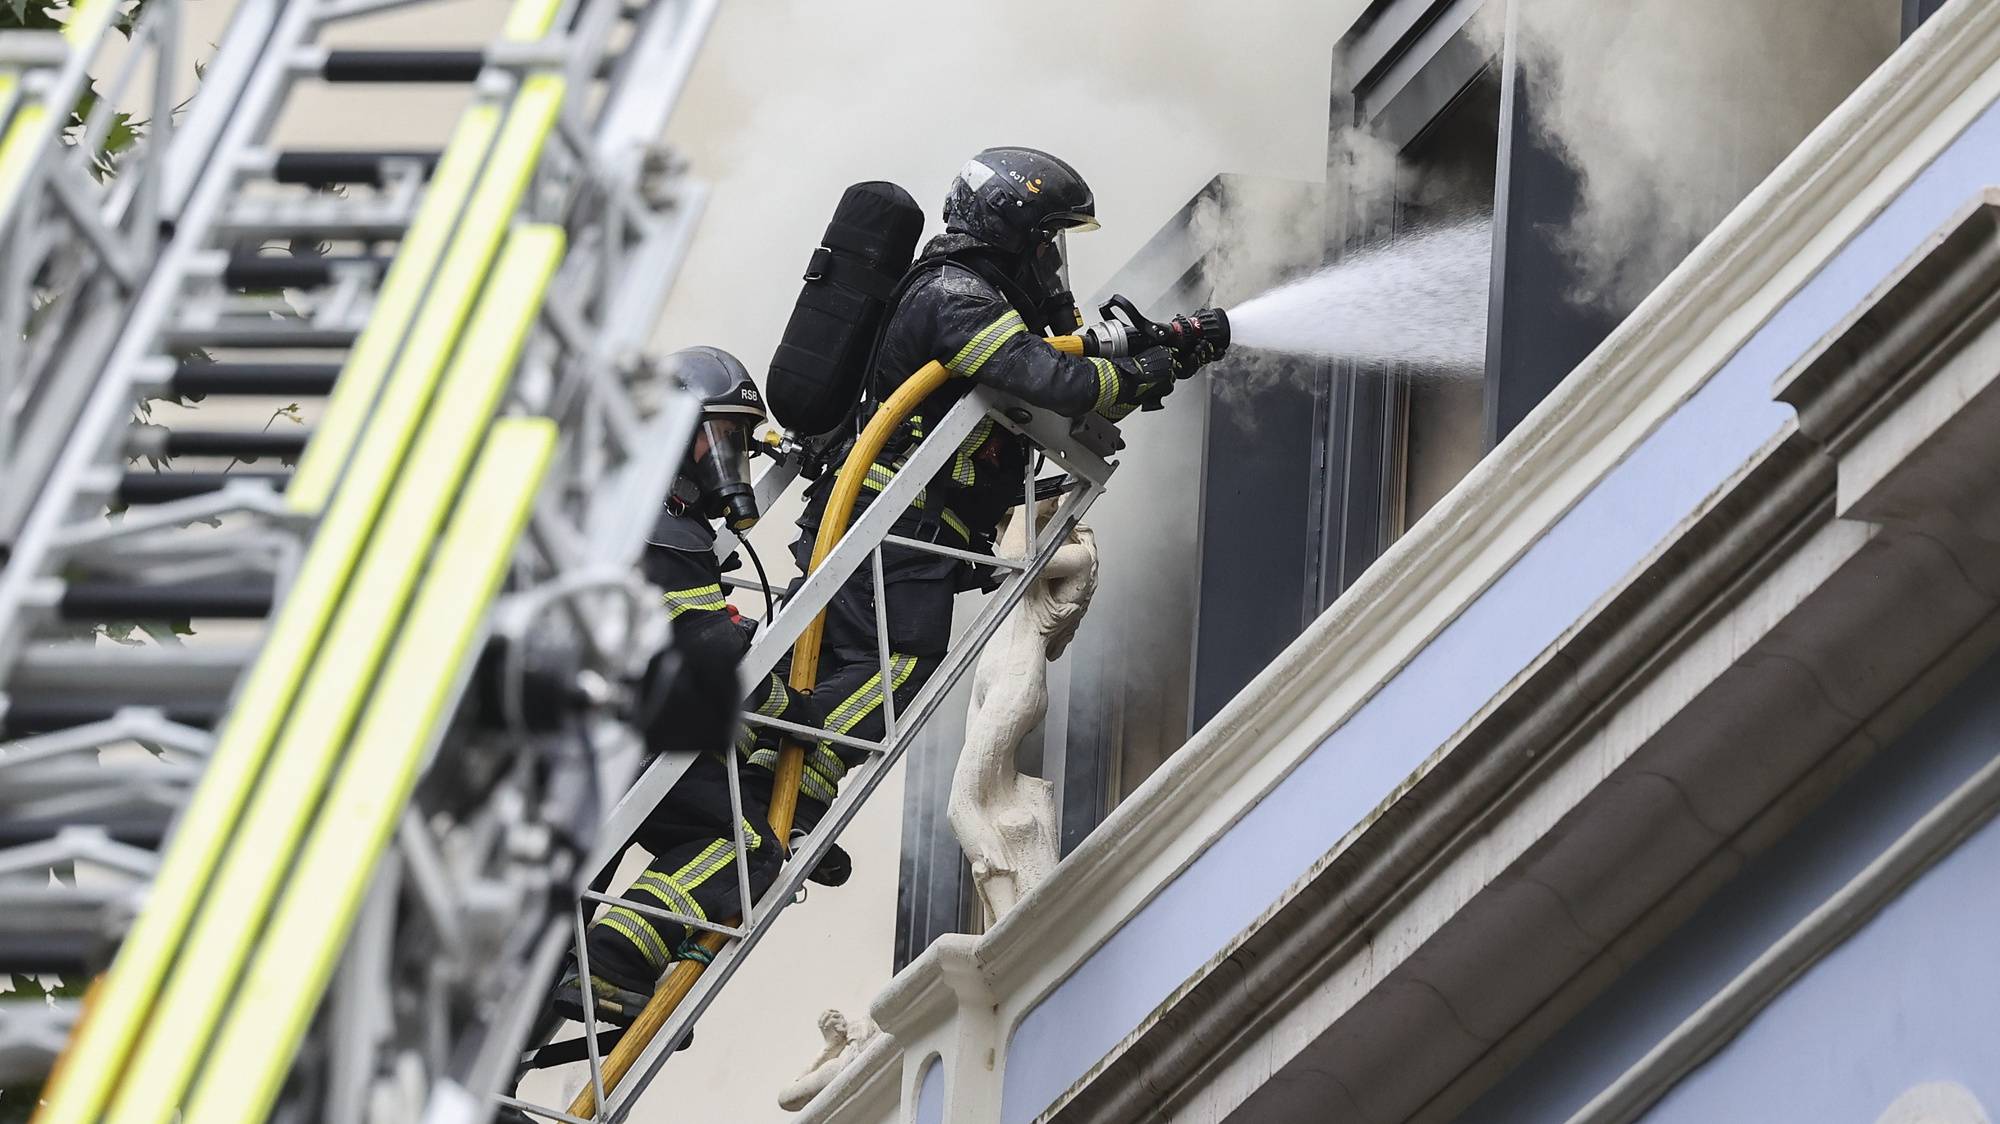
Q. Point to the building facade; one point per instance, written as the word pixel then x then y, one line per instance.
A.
pixel 1611 736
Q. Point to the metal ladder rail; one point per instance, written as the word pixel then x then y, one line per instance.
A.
pixel 72 249
pixel 656 232
pixel 1061 441
pixel 167 283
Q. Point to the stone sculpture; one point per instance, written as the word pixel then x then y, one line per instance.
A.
pixel 1005 821
pixel 845 1038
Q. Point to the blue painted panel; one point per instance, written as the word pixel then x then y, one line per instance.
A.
pixel 1913 997
pixel 930 1092
pixel 1770 896
pixel 1599 541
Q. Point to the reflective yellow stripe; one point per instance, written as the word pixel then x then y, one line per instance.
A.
pixel 952 520
pixel 984 343
pixel 764 759
pixel 864 701
pixel 963 472
pixel 707 597
pixel 813 785
pixel 635 928
pixel 667 894
pixel 776 699
pixel 850 710
pixel 825 763
pixel 1107 383
pixel 881 476
pixel 711 859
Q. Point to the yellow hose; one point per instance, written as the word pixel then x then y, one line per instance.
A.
pixel 791 756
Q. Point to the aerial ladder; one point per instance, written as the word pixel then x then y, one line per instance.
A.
pixel 293 793
pixel 326 885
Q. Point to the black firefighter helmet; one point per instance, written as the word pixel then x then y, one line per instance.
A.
pixel 719 462
pixel 1017 199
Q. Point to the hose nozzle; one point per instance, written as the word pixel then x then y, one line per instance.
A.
pixel 1125 332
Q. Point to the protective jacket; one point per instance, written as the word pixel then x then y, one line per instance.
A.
pixel 959 306
pixel 708 634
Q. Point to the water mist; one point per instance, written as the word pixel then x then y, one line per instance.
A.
pixel 1420 299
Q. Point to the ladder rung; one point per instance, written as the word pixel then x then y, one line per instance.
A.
pixel 165 487
pixel 288 442
pixel 347 224
pixel 279 379
pixel 39 716
pixel 70 944
pixel 244 332
pixel 336 166
pixel 273 271
pixel 139 829
pixel 246 598
pixel 412 65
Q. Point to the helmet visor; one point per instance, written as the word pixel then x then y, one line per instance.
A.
pixel 1069 222
pixel 722 470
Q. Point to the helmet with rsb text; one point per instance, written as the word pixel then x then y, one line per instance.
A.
pixel 731 407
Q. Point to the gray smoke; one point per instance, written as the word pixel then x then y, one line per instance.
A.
pixel 1673 110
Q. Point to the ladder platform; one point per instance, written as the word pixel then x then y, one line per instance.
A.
pixel 165 487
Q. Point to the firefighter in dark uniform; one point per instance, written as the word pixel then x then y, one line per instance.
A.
pixel 980 299
pixel 689 835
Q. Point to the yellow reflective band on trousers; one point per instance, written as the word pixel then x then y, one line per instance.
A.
pixel 984 343
pixel 1107 383
pixel 843 718
pixel 700 597
pixel 675 892
pixel 634 927
pixel 669 895
pixel 817 787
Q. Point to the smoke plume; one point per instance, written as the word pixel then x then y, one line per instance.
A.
pixel 1672 110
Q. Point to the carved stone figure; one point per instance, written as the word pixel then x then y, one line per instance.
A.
pixel 844 1040
pixel 1005 821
